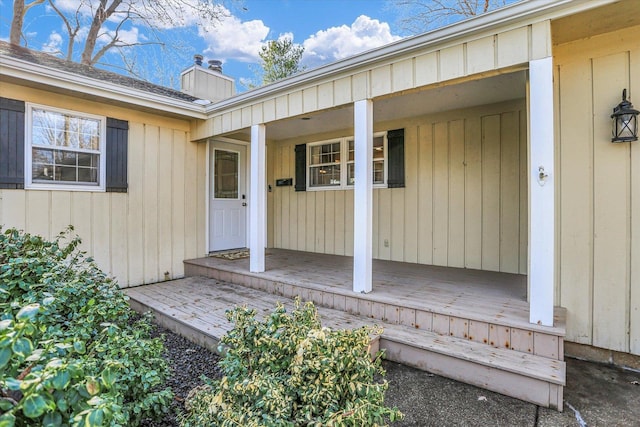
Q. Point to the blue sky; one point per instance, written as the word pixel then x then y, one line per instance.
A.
pixel 328 29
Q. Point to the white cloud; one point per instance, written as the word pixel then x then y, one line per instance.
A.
pixel 53 44
pixel 233 39
pixel 127 37
pixel 340 42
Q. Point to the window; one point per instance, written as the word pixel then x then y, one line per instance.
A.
pixel 226 174
pixel 332 165
pixel 64 149
pixel 324 165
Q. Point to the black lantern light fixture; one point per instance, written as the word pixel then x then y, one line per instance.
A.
pixel 625 121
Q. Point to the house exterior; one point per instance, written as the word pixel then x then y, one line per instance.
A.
pixel 483 145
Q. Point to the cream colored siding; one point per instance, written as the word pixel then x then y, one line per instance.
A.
pixel 599 220
pixel 486 53
pixel 139 235
pixel 462 205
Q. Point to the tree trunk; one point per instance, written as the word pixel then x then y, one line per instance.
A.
pixel 16 23
pixel 102 14
pixel 20 9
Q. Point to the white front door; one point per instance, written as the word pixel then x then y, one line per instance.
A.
pixel 228 201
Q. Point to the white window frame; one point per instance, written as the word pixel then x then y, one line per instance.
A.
pixel 344 162
pixel 28 155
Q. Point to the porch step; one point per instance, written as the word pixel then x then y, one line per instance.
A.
pixel 531 378
pixel 195 307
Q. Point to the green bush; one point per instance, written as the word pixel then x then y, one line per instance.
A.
pixel 290 371
pixel 71 352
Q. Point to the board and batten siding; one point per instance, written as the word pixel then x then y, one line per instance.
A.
pixel 599 212
pixel 464 203
pixel 136 236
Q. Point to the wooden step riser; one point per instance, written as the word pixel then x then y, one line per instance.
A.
pixel 183 329
pixel 498 336
pixel 521 387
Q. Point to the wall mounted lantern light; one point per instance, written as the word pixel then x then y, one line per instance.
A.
pixel 624 126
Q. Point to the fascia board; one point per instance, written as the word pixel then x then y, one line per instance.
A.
pixel 36 73
pixel 517 14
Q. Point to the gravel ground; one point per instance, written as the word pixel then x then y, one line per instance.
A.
pixel 188 363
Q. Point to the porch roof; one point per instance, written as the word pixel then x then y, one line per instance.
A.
pixel 492 44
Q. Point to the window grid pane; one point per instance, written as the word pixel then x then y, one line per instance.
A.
pixel 65 148
pixel 325 154
pixel 55 129
pixel 324 176
pixel 64 166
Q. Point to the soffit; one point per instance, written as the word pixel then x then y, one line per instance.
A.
pixel 611 17
pixel 490 90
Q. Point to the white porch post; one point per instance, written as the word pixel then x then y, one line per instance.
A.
pixel 541 192
pixel 363 197
pixel 257 199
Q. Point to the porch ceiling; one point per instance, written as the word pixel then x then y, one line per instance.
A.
pixel 489 90
pixel 622 14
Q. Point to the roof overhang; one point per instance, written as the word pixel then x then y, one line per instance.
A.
pixel 37 76
pixel 517 14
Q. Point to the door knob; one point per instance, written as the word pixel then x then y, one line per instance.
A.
pixel 244 203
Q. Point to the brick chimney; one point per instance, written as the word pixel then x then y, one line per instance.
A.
pixel 207 82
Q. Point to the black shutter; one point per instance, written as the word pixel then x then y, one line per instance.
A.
pixel 116 151
pixel 11 143
pixel 395 153
pixel 301 167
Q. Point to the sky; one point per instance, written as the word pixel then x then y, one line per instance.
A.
pixel 328 30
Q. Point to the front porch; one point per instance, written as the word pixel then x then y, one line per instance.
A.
pixel 469 325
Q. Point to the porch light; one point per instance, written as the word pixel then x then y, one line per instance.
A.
pixel 624 121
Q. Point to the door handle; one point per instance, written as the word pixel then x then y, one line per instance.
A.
pixel 244 203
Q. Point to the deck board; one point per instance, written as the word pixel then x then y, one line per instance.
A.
pixel 188 301
pixel 486 296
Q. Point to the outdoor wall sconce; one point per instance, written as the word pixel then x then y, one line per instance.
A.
pixel 624 121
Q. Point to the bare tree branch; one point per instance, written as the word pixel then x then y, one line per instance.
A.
pixel 71 30
pixel 418 16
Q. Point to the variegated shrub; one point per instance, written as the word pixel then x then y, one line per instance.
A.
pixel 288 370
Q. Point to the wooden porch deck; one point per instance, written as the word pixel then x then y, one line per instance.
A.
pixel 497 298
pixel 468 325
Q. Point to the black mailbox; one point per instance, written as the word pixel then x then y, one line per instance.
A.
pixel 284 182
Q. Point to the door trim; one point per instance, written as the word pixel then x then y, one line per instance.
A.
pixel 208 196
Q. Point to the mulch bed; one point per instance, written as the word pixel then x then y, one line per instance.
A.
pixel 188 362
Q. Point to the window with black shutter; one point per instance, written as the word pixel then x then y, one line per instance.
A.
pixel 61 149
pixel 330 164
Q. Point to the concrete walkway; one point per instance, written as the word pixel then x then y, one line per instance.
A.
pixel 595 395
